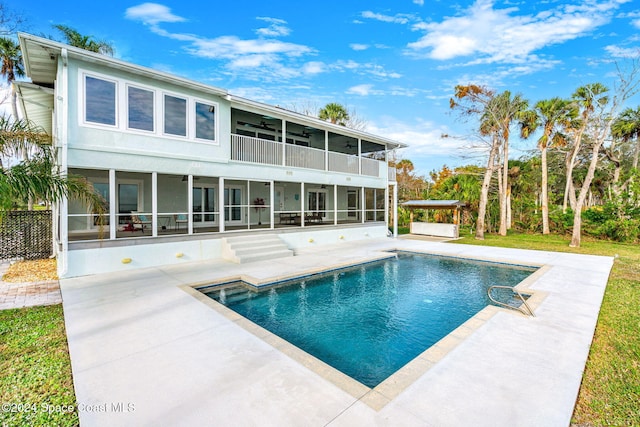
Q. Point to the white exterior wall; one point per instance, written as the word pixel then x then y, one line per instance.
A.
pixel 84 262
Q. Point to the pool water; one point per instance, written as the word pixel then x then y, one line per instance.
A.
pixel 370 320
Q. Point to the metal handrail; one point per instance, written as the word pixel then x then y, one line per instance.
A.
pixel 524 302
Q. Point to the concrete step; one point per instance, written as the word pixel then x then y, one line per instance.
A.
pixel 250 248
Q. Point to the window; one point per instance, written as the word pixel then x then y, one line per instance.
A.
pixel 175 115
pixel 140 102
pixel 205 121
pixel 100 101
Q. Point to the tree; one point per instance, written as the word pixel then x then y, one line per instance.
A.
pixel 600 127
pixel 495 114
pixel 554 116
pixel 334 113
pixel 36 177
pixel 627 129
pixel 74 38
pixel 10 21
pixel 11 58
pixel 589 98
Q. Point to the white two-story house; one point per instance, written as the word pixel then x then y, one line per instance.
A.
pixel 184 166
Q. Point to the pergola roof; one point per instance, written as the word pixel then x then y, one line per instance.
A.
pixel 434 204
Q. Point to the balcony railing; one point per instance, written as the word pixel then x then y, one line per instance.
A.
pixel 257 150
pixel 304 157
pixel 392 174
pixel 344 163
pixel 370 167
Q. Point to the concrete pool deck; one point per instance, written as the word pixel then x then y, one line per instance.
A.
pixel 144 351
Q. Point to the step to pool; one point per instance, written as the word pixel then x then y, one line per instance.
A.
pixel 243 249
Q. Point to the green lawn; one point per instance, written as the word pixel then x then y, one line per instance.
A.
pixel 36 387
pixel 610 391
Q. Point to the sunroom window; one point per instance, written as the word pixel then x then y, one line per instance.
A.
pixel 175 115
pixel 140 103
pixel 205 121
pixel 100 101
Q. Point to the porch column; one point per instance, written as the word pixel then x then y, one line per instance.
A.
pixel 271 204
pixel 154 204
pixel 395 210
pixel 359 156
pixel 386 205
pixel 326 150
pixel 190 204
pixel 302 197
pixel 248 205
pixel 221 205
pixel 113 219
pixel 335 204
pixel 362 204
pixel 284 143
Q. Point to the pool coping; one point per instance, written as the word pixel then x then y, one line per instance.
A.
pixel 137 337
pixel 379 396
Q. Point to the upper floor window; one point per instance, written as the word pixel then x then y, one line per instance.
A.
pixel 100 101
pixel 140 103
pixel 205 121
pixel 175 115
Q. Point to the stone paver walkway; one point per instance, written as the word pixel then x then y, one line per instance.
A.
pixel 30 294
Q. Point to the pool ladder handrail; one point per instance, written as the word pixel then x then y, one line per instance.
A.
pixel 527 312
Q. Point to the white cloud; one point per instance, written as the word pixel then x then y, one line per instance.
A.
pixel 276 28
pixel 362 90
pixel 152 14
pixel 623 52
pixel 359 46
pixel 419 2
pixel 502 36
pixel 636 23
pixel 314 67
pixel 396 19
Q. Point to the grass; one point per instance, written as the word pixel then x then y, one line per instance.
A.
pixel 36 387
pixel 610 390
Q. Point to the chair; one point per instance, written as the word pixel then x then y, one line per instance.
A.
pixel 140 221
pixel 180 219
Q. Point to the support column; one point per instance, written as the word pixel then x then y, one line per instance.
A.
pixel 335 204
pixel 154 204
pixel 190 204
pixel 113 218
pixel 326 150
pixel 395 210
pixel 284 143
pixel 221 205
pixel 386 205
pixel 272 204
pixel 363 207
pixel 302 197
pixel 359 156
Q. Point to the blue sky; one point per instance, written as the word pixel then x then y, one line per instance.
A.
pixel 396 63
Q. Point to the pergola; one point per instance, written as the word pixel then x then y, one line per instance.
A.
pixel 455 205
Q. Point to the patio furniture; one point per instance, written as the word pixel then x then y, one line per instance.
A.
pixel 140 221
pixel 180 219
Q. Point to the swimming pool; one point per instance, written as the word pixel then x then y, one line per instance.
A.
pixel 370 320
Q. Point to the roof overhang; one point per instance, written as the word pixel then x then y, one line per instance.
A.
pixel 433 204
pixel 36 103
pixel 303 119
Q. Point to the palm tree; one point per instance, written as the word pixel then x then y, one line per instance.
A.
pixel 335 113
pixel 554 116
pixel 588 97
pixel 627 128
pixel 37 178
pixel 11 58
pixel 74 38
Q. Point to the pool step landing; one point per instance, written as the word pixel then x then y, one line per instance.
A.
pixel 243 249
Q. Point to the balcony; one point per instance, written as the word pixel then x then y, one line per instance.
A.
pixel 267 152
